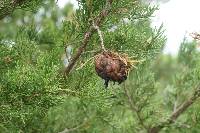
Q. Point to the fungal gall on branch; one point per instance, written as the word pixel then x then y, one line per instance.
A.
pixel 112 66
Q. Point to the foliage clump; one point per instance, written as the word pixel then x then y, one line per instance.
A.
pixel 36 96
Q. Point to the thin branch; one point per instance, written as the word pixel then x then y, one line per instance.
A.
pixel 93 51
pixel 100 36
pixel 180 110
pixel 134 109
pixel 66 130
pixel 175 103
pixel 82 65
pixel 88 36
pixel 182 125
pixel 109 123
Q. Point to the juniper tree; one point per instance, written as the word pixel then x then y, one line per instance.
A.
pixel 40 93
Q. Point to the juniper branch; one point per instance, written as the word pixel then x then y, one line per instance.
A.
pixel 98 21
pixel 134 109
pixel 180 110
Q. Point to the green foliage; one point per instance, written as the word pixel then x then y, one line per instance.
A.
pixel 35 97
pixel 183 72
pixel 29 82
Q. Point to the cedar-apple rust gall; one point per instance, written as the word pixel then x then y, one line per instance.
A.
pixel 112 66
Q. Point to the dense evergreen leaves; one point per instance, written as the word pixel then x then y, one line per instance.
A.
pixel 36 98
